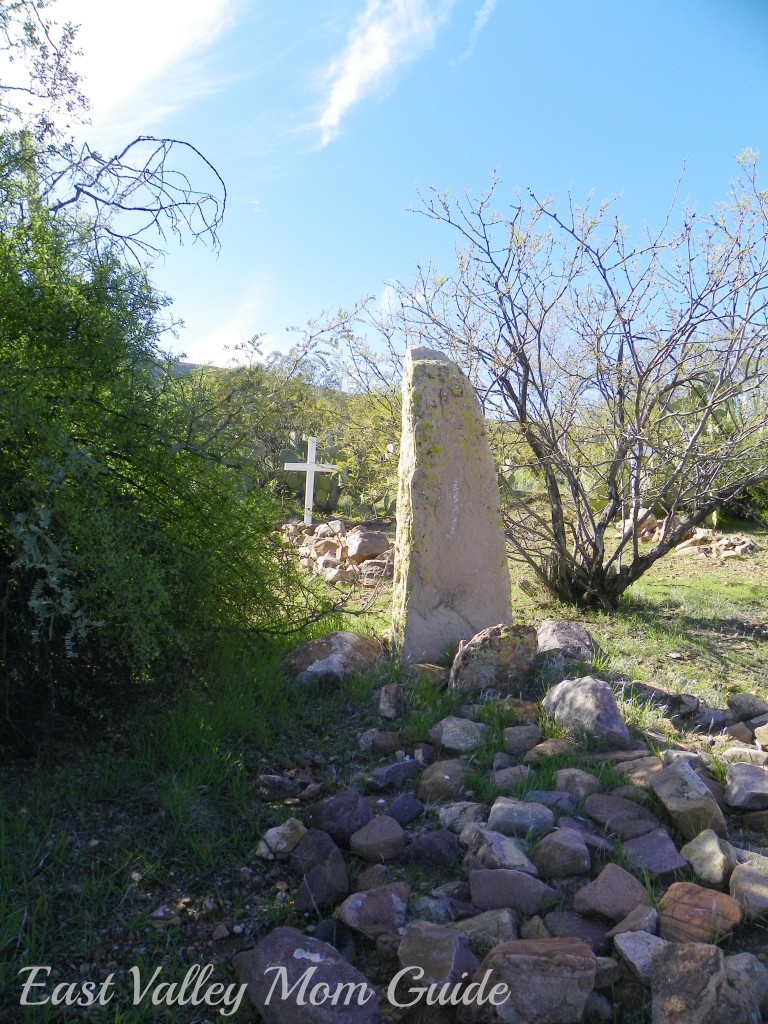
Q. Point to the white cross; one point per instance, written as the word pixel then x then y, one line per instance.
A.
pixel 310 467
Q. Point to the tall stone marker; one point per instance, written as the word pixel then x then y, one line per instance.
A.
pixel 451 573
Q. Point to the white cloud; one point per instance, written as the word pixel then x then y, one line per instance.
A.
pixel 482 16
pixel 386 36
pixel 137 60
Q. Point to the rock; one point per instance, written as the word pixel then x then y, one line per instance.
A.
pixel 443 780
pixel 740 731
pixel 447 496
pixel 749 887
pixel 297 954
pixel 336 934
pixel 373 877
pixel 578 783
pixel 363 543
pixel 494 889
pixel 637 950
pixel 566 923
pixel 434 851
pixel 381 839
pixel 391 700
pixel 333 658
pixel 744 706
pixel 623 817
pixel 690 913
pixel 489 929
pixel 564 803
pixel 548 981
pixel 745 754
pixel 405 809
pixel 325 879
pixel 375 912
pixel 568 641
pixel 534 928
pixel 455 816
pixel 442 953
pixel 323 885
pixel 560 854
pixel 599 1009
pixel 340 816
pixel 687 800
pixel 392 776
pixel 279 842
pixel 642 772
pixel 641 919
pixel 608 972
pixel 612 895
pixel 457 735
pixel 712 858
pixel 437 674
pixel 655 853
pixel 689 982
pixel 494 850
pixel 520 738
pixel 509 780
pixel 596 844
pixel 743 970
pixel 548 748
pixel 519 818
pixel 747 787
pixel 276 787
pixel 587 706
pixel 500 657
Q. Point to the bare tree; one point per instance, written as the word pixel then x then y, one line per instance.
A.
pixel 137 198
pixel 626 378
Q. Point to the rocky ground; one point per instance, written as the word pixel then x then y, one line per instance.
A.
pixel 596 876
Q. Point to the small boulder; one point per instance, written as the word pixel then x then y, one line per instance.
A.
pixel 687 800
pixel 363 543
pixel 381 839
pixel 441 953
pixel 279 842
pixel 548 981
pixel 690 913
pixel 689 982
pixel 340 816
pixel 494 889
pixel 712 858
pixel 566 641
pixel 333 658
pixel 500 657
pixel 587 706
pixel 519 818
pixel 457 735
pixel 612 895
pixel 747 788
pixel 376 912
pixel 560 854
pixel 292 954
pixel 443 780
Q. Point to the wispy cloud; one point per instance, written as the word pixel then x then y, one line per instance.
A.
pixel 388 35
pixel 144 57
pixel 482 16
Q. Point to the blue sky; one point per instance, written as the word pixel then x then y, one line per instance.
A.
pixel 325 116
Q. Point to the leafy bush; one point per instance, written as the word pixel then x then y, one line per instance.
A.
pixel 130 534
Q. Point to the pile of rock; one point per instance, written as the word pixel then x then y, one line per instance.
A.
pixel 541 892
pixel 359 555
pixel 699 541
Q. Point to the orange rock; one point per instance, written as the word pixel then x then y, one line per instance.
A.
pixel 691 913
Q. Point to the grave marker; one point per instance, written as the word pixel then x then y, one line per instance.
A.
pixel 310 467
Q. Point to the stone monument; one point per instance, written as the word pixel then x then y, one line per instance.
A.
pixel 451 573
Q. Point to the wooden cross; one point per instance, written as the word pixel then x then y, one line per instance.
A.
pixel 310 467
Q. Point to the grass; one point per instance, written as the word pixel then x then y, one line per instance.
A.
pixel 165 812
